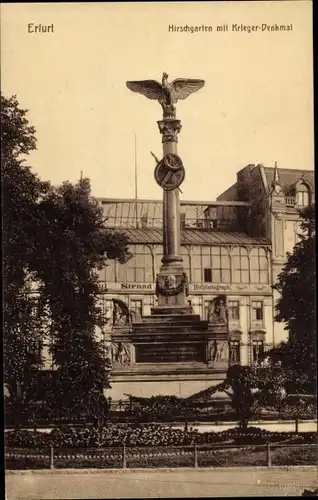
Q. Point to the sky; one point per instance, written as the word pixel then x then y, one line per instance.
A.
pixel 256 105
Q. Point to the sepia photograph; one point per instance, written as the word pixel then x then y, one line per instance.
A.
pixel 159 261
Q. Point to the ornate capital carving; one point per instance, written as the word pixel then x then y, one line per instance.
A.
pixel 169 128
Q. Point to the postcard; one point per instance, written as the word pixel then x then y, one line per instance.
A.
pixel 158 199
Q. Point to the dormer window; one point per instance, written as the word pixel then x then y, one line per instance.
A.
pixel 302 195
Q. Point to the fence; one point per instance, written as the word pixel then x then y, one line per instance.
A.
pixel 221 455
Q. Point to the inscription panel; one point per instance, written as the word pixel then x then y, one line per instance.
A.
pixel 170 352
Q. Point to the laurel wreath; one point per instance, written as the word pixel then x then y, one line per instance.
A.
pixel 168 292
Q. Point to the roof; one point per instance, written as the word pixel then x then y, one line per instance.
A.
pixel 289 176
pixel 194 237
pixel 131 214
pixel 105 201
pixel 229 194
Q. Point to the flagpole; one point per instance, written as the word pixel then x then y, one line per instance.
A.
pixel 136 173
pixel 136 181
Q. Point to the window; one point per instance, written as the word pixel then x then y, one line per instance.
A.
pixel 240 266
pixel 136 308
pixel 196 265
pixel 259 266
pixel 158 258
pixel 235 355
pixel 207 275
pixel 257 350
pixel 109 272
pixel 225 266
pixel 139 268
pixel 216 264
pixel 257 311
pixel 206 308
pixel 186 260
pixel 221 265
pixel 210 264
pixel 302 195
pixel 234 310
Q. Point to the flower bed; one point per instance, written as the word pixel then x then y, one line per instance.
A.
pixel 148 435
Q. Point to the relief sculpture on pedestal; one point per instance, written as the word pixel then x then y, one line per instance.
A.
pixel 218 351
pixel 121 353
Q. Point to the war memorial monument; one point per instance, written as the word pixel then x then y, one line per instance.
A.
pixel 172 345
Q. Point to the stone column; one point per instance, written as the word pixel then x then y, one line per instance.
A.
pixel 170 291
pixel 169 129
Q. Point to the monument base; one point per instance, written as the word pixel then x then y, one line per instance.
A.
pixel 165 381
pixel 170 354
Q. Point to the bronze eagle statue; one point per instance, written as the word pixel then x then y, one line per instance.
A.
pixel 167 94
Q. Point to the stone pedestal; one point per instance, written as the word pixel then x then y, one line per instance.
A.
pixel 170 354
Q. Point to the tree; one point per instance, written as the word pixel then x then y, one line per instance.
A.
pixel 241 380
pixel 21 190
pixel 296 308
pixel 270 380
pixel 73 245
pixel 54 238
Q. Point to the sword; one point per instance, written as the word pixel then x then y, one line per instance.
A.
pixel 158 161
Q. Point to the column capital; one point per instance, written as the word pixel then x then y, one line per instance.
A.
pixel 169 128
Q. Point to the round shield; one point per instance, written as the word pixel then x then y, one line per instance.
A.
pixel 170 173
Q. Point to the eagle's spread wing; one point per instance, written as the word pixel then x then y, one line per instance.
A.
pixel 182 87
pixel 149 88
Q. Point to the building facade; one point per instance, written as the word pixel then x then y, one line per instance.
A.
pixel 233 248
pixel 275 196
pixel 219 257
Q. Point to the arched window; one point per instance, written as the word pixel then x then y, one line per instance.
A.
pixel 302 195
pixel 259 266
